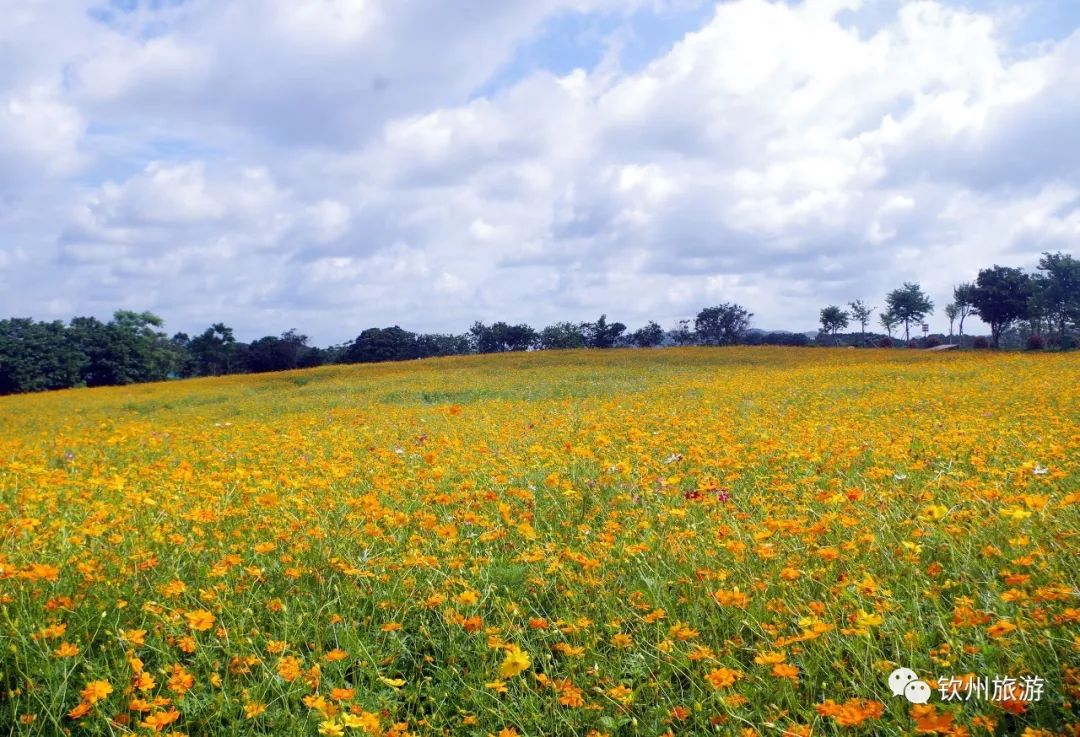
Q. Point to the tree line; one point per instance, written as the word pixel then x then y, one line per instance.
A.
pixel 1003 297
pixel 132 347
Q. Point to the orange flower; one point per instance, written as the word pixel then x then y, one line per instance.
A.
pixel 67 650
pixel 851 713
pixel 786 670
pixel 80 710
pixel 200 620
pixel 95 691
pixel 928 720
pixel 289 668
pixel 733 598
pixel 1000 629
pixel 159 721
pixel 722 677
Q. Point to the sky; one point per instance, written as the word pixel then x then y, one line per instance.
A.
pixel 332 165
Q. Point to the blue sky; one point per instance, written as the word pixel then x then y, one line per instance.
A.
pixel 335 164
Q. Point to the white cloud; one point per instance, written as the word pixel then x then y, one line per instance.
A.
pixel 329 164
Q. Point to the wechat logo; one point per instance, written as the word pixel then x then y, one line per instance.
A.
pixel 904 682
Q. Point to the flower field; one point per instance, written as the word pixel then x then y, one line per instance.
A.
pixel 741 541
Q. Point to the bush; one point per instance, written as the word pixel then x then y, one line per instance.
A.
pixel 1036 342
pixel 980 343
pixel 885 343
pixel 932 342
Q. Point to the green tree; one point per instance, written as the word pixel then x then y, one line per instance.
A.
pixel 647 337
pixel 382 344
pixel 214 351
pixel 437 344
pixel 860 313
pixel 37 356
pixel 909 304
pixel 682 334
pixel 833 320
pixel 724 324
pixel 500 337
pixel 1059 290
pixel 277 353
pixel 1002 296
pixel 952 312
pixel 562 335
pixel 602 334
pixel 888 321
pixel 962 297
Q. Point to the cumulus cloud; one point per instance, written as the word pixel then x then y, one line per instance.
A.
pixel 332 165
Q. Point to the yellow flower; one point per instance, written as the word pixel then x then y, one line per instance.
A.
pixel 769 658
pixel 865 620
pixel 331 729
pixel 515 662
pixel 933 512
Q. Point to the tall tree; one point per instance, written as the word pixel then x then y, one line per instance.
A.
pixel 1059 290
pixel 724 324
pixel 1002 296
pixel 909 304
pixel 833 320
pixel 149 352
pixel 951 312
pixel 888 321
pixel 860 313
pixel 214 351
pixel 602 334
pixel 962 297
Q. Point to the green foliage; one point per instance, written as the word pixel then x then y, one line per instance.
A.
pixel 724 324
pixel 214 352
pixel 833 320
pixel 963 296
pixel 1002 296
pixel 562 335
pixel 382 344
pixel 647 337
pixel 35 356
pixel 908 304
pixel 602 334
pixel 1058 290
pixel 501 337
pixel 860 313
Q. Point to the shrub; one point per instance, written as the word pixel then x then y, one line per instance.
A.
pixel 980 343
pixel 932 342
pixel 885 343
pixel 1036 342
